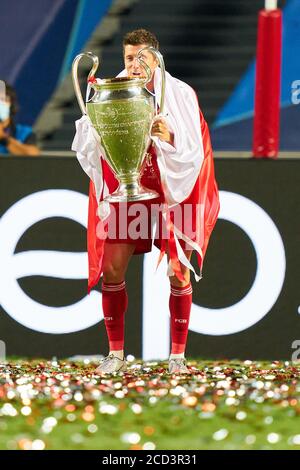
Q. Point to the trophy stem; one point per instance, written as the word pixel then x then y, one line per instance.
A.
pixel 131 190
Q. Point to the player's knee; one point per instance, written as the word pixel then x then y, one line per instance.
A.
pixel 113 273
pixel 174 281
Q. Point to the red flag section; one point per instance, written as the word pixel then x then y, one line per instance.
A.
pixel 204 198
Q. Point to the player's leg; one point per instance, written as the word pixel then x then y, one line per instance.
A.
pixel 180 304
pixel 114 301
pixel 115 261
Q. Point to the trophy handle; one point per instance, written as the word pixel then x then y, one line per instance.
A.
pixel 90 75
pixel 163 72
pixel 144 65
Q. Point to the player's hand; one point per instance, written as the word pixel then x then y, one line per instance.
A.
pixel 160 129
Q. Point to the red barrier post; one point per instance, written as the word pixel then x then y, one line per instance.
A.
pixel 266 127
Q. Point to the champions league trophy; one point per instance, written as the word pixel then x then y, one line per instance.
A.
pixel 122 111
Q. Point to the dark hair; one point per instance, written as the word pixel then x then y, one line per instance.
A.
pixel 11 93
pixel 140 36
pixel 14 105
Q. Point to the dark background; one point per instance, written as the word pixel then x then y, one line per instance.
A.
pixel 230 263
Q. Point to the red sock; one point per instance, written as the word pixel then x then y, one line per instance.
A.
pixel 180 309
pixel 114 304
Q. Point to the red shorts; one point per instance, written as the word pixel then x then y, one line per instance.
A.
pixel 132 222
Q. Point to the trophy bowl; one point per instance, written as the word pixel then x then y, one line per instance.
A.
pixel 121 110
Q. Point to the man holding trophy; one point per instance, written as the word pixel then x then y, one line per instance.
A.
pixel 151 149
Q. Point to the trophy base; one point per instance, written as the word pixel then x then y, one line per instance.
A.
pixel 131 192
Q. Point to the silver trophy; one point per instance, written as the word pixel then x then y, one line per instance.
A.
pixel 122 111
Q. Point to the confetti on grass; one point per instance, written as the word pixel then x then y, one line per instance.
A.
pixel 221 405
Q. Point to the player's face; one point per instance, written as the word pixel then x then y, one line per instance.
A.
pixel 134 69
